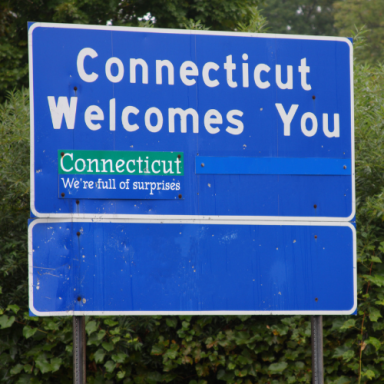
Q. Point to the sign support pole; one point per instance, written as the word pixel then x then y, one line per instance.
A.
pixel 317 350
pixel 79 372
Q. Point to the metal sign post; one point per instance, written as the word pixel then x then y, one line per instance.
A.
pixel 317 350
pixel 79 348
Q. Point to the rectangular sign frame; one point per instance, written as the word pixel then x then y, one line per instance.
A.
pixel 155 217
pixel 215 225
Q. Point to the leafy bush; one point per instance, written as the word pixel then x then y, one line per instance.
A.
pixel 14 15
pixel 200 349
pixel 14 197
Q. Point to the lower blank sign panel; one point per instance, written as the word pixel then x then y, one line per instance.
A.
pixel 87 267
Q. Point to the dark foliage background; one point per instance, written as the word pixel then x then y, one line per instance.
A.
pixel 182 349
pixel 14 15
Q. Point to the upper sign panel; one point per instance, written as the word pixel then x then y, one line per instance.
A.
pixel 135 122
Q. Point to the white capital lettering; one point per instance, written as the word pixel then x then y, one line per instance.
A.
pixel 303 69
pixel 287 118
pixel 159 125
pixel 188 68
pixel 212 117
pixel 172 112
pixel 207 67
pixel 256 74
pixel 62 162
pixel 289 83
pixel 336 123
pixel 112 114
pixel 62 108
pixel 229 67
pixel 159 76
pixel 239 124
pixel 80 65
pixel 311 132
pixel 144 70
pixel 89 116
pixel 120 70
pixel 124 119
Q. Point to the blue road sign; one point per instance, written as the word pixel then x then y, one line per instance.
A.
pixel 104 268
pixel 263 125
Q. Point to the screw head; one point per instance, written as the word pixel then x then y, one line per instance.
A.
pixel 313 97
pixel 78 298
pixel 179 156
pixel 62 154
pixel 77 202
pixel 202 165
pixel 180 196
pixel 75 88
pixel 62 194
pixel 315 206
pixel 315 236
pixel 316 299
pixel 78 233
pixel 345 167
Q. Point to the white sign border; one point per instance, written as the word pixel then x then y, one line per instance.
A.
pixel 216 222
pixel 183 218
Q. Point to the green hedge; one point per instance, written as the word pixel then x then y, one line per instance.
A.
pixel 200 349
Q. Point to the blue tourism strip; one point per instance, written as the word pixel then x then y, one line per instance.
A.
pixel 211 165
pixel 120 187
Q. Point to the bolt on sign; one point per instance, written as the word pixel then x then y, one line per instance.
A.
pixel 232 134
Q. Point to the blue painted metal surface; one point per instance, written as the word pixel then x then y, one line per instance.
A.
pixel 207 165
pixel 106 267
pixel 54 73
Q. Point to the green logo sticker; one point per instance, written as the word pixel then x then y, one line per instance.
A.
pixel 75 162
